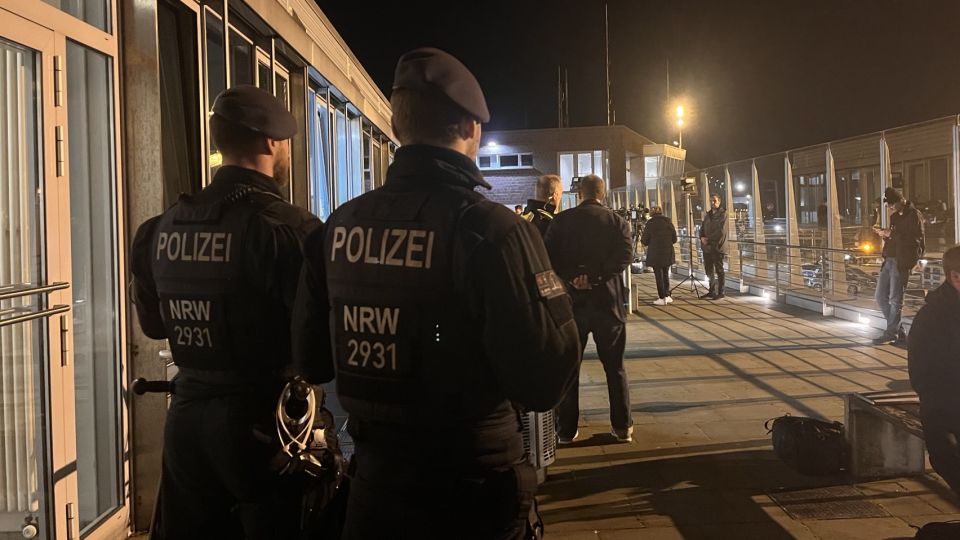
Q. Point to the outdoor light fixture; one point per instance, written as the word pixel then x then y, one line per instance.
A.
pixel 867 247
pixel 923 262
pixel 492 143
pixel 778 228
pixel 740 186
pixel 679 111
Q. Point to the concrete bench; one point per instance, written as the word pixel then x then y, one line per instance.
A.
pixel 885 434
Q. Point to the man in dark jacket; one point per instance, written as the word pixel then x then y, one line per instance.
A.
pixel 590 247
pixel 443 311
pixel 659 235
pixel 903 246
pixel 713 239
pixel 933 358
pixel 216 275
pixel 540 211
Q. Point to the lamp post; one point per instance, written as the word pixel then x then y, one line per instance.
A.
pixel 680 126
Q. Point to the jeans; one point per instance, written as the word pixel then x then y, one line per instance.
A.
pixel 891 286
pixel 610 335
pixel 663 281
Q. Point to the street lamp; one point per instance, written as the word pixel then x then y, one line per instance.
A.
pixel 680 125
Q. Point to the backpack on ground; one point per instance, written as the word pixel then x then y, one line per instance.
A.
pixel 811 447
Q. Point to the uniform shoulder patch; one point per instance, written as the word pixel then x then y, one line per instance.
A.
pixel 549 284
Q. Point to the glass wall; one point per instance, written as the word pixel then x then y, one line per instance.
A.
pixel 859 191
pixel 810 189
pixel 340 139
pixel 241 59
pixel 93 255
pixel 320 187
pixel 574 164
pixel 921 166
pixel 355 165
pixel 216 72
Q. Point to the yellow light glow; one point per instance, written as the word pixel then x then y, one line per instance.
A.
pixel 867 247
pixel 216 159
pixel 679 111
pixel 680 122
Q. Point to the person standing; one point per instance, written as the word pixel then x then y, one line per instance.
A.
pixel 933 359
pixel 713 240
pixel 590 247
pixel 216 275
pixel 444 311
pixel 903 245
pixel 659 236
pixel 540 211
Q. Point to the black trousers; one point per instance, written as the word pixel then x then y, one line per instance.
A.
pixel 713 267
pixel 941 431
pixel 397 498
pixel 663 281
pixel 610 335
pixel 215 480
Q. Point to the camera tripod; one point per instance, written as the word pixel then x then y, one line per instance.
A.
pixel 694 284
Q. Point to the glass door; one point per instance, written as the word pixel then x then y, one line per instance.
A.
pixel 38 479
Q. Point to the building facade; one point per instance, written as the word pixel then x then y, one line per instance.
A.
pixel 511 161
pixel 103 121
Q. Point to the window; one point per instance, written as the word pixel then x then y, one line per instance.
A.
pixel 574 164
pixel 216 72
pixel 241 59
pixel 97 13
pixel 180 108
pixel 485 162
pixel 96 331
pixel 319 156
pixel 526 160
pixel 355 166
pixel 584 164
pixel 340 144
pixel 512 160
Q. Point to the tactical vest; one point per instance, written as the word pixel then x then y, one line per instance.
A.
pixel 405 348
pixel 215 319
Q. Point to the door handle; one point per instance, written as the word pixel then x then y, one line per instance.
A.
pixel 55 310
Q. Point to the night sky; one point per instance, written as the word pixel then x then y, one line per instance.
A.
pixel 755 76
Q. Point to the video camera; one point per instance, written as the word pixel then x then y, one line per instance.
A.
pixel 688 184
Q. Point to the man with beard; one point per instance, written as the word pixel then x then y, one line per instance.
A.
pixel 216 275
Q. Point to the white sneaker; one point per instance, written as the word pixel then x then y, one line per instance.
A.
pixel 669 299
pixel 660 302
pixel 622 435
pixel 568 440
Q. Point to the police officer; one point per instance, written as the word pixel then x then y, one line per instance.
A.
pixel 591 246
pixel 540 211
pixel 216 275
pixel 443 310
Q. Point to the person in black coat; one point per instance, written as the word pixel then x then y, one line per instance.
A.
pixel 903 245
pixel 659 236
pixel 590 246
pixel 713 239
pixel 933 359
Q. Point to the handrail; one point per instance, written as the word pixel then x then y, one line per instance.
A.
pixel 55 310
pixel 794 246
pixel 22 290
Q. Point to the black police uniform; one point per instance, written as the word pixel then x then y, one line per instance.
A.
pixel 591 239
pixel 539 213
pixel 216 275
pixel 443 309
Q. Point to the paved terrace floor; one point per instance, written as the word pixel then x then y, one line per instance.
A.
pixel 704 376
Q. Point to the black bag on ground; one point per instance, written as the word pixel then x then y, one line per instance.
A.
pixel 949 530
pixel 812 447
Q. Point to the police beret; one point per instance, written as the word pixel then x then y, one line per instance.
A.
pixel 891 196
pixel 256 110
pixel 426 68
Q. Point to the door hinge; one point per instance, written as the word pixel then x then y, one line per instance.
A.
pixel 70 518
pixel 60 150
pixel 57 80
pixel 64 341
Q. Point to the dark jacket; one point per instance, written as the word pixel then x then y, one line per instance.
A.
pixel 906 241
pixel 487 304
pixel 591 239
pixel 933 354
pixel 540 214
pixel 659 235
pixel 714 229
pixel 250 328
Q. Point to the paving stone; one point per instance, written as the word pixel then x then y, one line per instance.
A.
pixel 860 529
